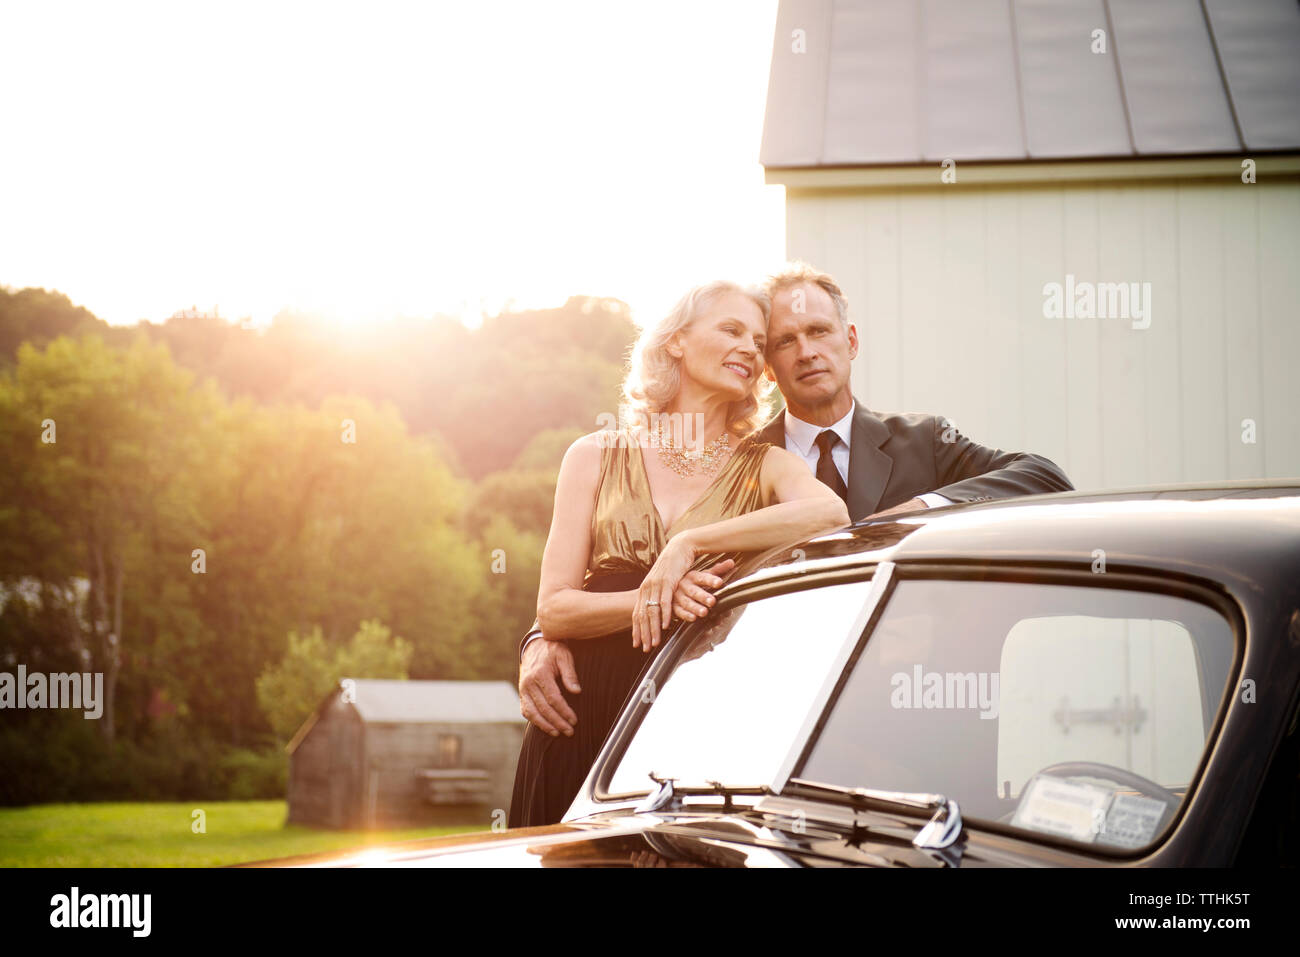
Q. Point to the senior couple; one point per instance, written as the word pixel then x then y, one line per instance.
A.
pixel 648 522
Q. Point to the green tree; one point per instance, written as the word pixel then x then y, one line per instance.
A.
pixel 291 689
pixel 515 562
pixel 100 436
pixel 545 450
pixel 40 315
pixel 170 530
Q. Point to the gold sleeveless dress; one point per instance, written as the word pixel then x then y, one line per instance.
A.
pixel 627 535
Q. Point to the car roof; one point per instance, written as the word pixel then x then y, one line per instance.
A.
pixel 1244 535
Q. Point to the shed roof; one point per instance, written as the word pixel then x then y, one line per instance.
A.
pixel 392 701
pixel 414 702
pixel 920 81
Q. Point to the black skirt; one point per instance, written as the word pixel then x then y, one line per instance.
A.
pixel 551 769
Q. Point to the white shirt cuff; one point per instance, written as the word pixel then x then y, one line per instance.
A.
pixel 934 500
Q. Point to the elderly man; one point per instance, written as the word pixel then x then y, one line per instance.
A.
pixel 879 463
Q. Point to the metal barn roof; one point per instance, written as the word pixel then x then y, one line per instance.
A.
pixel 920 81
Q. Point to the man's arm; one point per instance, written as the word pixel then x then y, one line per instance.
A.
pixel 970 472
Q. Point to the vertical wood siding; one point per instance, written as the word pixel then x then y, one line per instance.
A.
pixel 945 287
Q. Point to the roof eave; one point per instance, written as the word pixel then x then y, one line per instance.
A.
pixel 1224 167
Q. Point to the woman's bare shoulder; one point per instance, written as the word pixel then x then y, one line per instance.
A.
pixel 620 438
pixel 776 457
pixel 585 454
pixel 582 458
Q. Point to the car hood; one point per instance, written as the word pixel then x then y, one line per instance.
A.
pixel 691 839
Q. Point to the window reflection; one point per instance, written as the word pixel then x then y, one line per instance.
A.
pixel 733 706
pixel 1130 698
pixel 973 689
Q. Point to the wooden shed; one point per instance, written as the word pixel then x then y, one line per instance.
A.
pixel 957 163
pixel 381 753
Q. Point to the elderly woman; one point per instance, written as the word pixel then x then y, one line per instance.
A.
pixel 642 511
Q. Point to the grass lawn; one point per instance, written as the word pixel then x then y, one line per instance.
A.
pixel 146 834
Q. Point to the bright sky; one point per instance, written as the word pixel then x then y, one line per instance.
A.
pixel 375 159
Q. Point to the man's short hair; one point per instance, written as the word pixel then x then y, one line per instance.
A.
pixel 796 274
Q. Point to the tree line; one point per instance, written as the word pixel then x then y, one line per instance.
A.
pixel 223 520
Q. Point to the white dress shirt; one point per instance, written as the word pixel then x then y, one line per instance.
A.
pixel 801 439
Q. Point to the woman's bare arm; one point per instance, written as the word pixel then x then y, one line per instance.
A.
pixel 564 610
pixel 803 507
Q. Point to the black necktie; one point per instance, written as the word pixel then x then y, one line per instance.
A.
pixel 826 470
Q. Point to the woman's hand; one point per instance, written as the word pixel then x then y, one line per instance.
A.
pixel 693 597
pixel 654 600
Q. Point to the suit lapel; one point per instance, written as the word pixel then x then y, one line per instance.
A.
pixel 869 467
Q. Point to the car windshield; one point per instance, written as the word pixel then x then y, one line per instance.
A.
pixel 1075 711
pixel 1079 712
pixel 744 689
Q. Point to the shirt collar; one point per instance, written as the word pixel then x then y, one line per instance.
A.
pixel 803 435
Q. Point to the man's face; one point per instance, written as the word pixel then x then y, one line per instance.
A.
pixel 809 351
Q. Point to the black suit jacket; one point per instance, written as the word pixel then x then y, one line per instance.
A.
pixel 897 456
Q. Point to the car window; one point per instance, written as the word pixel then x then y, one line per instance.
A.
pixel 1081 712
pixel 745 689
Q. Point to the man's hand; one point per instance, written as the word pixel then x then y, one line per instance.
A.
pixel 693 597
pixel 540 699
pixel 911 505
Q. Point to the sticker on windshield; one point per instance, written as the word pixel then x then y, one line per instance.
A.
pixel 1062 807
pixel 1131 821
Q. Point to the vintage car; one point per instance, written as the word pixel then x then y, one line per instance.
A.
pixel 1076 679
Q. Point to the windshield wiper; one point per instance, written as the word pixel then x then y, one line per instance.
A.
pixel 669 793
pixel 941 831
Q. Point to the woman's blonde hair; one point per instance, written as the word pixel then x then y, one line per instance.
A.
pixel 654 375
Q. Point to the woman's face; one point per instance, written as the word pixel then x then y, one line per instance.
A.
pixel 722 350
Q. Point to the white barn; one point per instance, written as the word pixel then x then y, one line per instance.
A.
pixel 947 160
